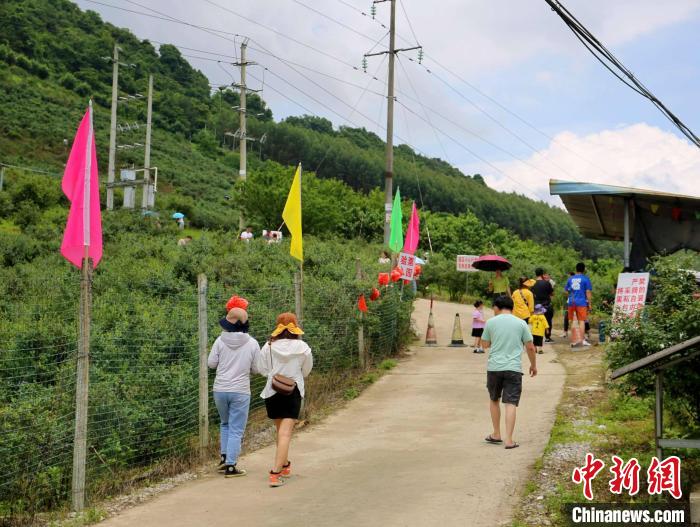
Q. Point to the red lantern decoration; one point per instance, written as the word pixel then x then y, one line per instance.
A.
pixel 362 304
pixel 418 270
pixel 676 213
pixel 236 301
pixel 396 274
pixel 383 279
pixel 374 294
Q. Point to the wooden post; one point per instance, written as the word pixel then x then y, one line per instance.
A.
pixel 203 371
pixel 659 414
pixel 361 350
pixel 81 387
pixel 298 296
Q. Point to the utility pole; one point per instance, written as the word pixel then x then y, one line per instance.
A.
pixel 242 109
pixel 148 198
pixel 113 129
pixel 242 145
pixel 389 156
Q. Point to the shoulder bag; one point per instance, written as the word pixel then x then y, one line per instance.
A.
pixel 280 383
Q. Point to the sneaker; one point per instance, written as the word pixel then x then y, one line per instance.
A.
pixel 549 340
pixel 585 343
pixel 476 350
pixel 540 352
pixel 222 464
pixel 276 479
pixel 576 346
pixel 564 335
pixel 481 350
pixel 287 469
pixel 233 472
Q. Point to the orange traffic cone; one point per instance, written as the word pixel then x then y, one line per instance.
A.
pixel 457 340
pixel 430 336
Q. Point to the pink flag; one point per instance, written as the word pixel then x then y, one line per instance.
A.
pixel 80 185
pixel 411 243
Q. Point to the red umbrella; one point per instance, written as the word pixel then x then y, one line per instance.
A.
pixel 491 262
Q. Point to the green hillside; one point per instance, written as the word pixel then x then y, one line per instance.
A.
pixel 53 56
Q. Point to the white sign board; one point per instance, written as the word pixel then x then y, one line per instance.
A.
pixel 465 261
pixel 631 292
pixel 407 263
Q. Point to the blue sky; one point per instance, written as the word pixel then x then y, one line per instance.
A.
pixel 518 52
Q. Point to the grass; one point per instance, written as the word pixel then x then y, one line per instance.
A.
pixel 387 364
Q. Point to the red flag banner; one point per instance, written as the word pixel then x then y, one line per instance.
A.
pixel 80 185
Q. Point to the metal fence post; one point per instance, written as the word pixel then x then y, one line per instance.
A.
pixel 298 297
pixel 361 350
pixel 203 371
pixel 81 388
pixel 659 414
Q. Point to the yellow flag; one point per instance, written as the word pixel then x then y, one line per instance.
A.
pixel 292 216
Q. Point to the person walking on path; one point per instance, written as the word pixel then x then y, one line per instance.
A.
pixel 523 301
pixel 234 355
pixel 539 325
pixel 287 360
pixel 499 285
pixel 543 291
pixel 504 337
pixel 478 322
pixel 580 290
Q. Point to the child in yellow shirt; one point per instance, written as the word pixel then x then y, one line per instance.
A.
pixel 539 326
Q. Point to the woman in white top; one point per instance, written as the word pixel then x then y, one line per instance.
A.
pixel 287 355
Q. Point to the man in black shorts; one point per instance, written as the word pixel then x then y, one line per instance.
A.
pixel 504 337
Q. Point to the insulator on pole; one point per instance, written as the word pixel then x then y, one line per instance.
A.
pixel 373 10
pixel 420 56
pixel 364 64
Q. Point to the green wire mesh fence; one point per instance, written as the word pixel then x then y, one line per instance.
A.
pixel 143 418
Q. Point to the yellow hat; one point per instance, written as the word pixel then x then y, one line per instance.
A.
pixel 287 321
pixel 529 283
pixel 291 327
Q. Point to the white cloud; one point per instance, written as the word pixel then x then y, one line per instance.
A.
pixel 638 155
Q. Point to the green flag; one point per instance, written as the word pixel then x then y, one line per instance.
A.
pixel 396 237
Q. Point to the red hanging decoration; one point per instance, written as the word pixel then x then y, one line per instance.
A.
pixel 676 213
pixel 375 294
pixel 396 274
pixel 362 304
pixel 383 279
pixel 418 270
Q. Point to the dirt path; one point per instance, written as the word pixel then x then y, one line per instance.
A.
pixel 408 451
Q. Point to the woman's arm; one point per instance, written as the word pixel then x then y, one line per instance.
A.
pixel 213 359
pixel 308 364
pixel 264 360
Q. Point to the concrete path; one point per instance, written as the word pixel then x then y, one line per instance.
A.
pixel 409 451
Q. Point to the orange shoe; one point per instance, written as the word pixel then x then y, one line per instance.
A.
pixel 276 479
pixel 286 470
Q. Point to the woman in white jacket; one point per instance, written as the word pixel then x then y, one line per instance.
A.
pixel 234 355
pixel 287 355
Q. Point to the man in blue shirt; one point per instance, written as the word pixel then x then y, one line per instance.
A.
pixel 580 290
pixel 504 336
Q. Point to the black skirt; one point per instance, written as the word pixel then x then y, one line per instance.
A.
pixel 477 332
pixel 284 406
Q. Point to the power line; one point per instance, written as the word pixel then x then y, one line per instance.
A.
pixel 616 67
pixel 29 169
pixel 222 34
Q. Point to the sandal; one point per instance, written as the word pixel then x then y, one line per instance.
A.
pixel 514 445
pixel 491 440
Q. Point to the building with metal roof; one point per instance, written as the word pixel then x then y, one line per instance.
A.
pixel 647 221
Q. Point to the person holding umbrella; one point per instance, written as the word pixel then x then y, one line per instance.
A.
pixel 179 218
pixel 498 286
